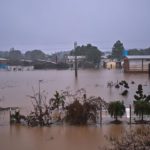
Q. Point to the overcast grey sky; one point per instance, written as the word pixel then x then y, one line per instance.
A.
pixel 54 25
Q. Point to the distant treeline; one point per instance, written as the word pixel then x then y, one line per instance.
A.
pixel 92 53
pixel 92 56
pixel 14 54
pixel 36 58
pixel 139 51
pixel 118 51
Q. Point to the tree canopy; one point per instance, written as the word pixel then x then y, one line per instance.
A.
pixel 78 113
pixel 116 109
pixel 117 50
pixel 139 51
pixel 14 56
pixel 92 53
pixel 35 54
pixel 141 103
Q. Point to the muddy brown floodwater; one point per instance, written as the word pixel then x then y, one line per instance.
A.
pixel 18 137
pixel 15 86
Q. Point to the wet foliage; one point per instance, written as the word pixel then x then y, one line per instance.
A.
pixel 63 107
pixel 141 103
pixel 57 101
pixel 76 108
pixel 116 109
pixel 17 117
pixel 78 113
pixel 139 93
pixel 83 110
pixel 133 139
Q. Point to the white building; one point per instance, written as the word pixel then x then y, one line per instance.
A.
pixel 137 63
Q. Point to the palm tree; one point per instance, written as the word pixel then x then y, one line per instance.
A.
pixel 116 109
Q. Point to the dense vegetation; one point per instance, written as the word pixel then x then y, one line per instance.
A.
pixel 74 109
pixel 16 57
pixel 132 139
pixel 92 53
pixel 141 103
pixel 117 51
pixel 17 54
pixel 78 113
pixel 145 51
pixel 116 109
pixel 34 55
pixel 78 109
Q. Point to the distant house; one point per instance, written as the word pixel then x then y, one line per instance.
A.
pixel 136 63
pixel 3 63
pixel 71 60
pixel 109 63
pixel 26 62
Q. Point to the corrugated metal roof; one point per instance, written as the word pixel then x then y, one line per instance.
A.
pixel 2 59
pixel 27 60
pixel 48 61
pixel 138 56
pixel 78 57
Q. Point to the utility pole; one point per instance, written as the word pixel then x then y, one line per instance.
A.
pixel 100 114
pixel 10 115
pixel 75 60
pixel 56 59
pixel 130 113
pixel 149 69
pixel 40 92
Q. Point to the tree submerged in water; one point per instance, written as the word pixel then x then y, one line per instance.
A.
pixel 63 106
pixel 46 114
pixel 117 50
pixel 83 110
pixel 141 103
pixel 116 109
pixel 78 113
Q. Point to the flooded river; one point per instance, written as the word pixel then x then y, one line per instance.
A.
pixel 16 86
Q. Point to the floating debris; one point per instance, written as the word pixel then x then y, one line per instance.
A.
pixel 109 84
pixel 117 86
pixel 124 93
pixel 132 82
pixel 124 83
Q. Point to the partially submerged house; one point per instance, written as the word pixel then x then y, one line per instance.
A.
pixel 109 63
pixel 136 63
